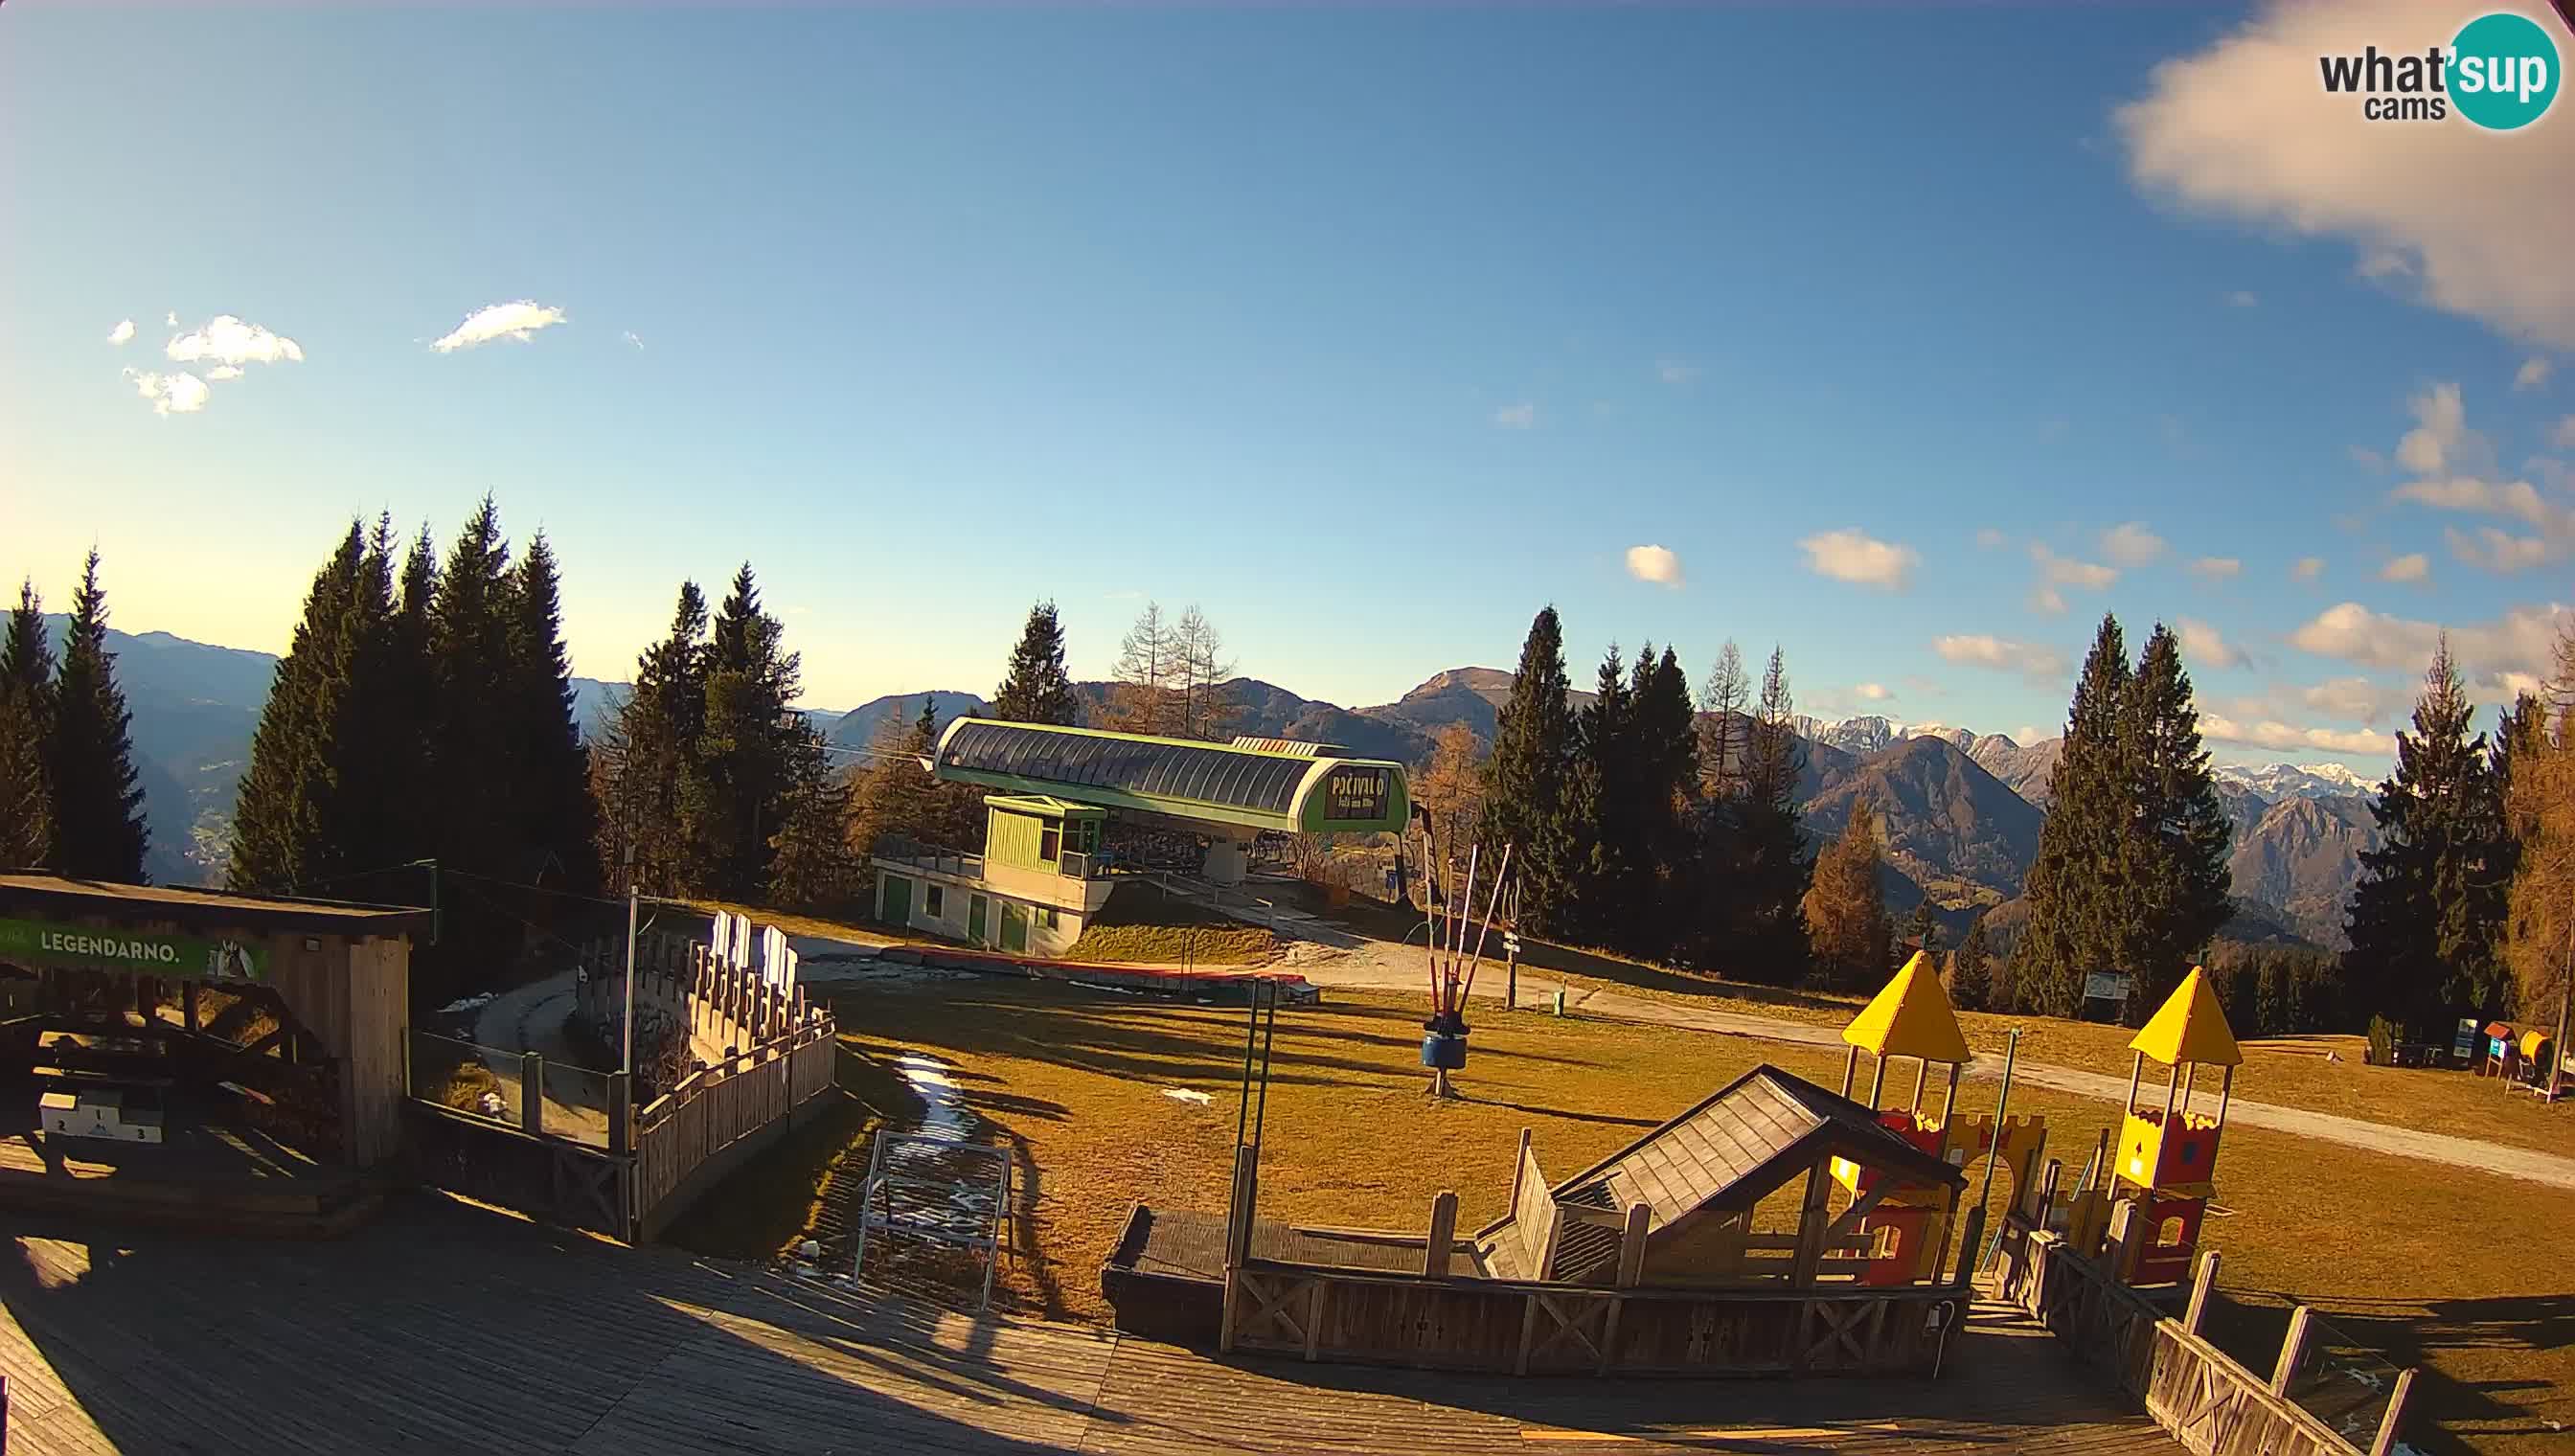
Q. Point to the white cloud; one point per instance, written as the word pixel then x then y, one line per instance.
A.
pixel 2131 545
pixel 1850 556
pixel 2242 298
pixel 1654 564
pixel 2205 643
pixel 2307 568
pixel 2497 550
pixel 2046 598
pixel 2533 373
pixel 2038 663
pixel 1987 537
pixel 629 337
pixel 224 371
pixel 1675 370
pixel 2358 698
pixel 2414 567
pixel 2216 567
pixel 2067 572
pixel 2562 437
pixel 2028 733
pixel 2241 128
pixel 1873 691
pixel 2432 446
pixel 2271 734
pixel 520 321
pixel 227 340
pixel 2368 459
pixel 2518 646
pixel 170 394
pixel 171 318
pixel 1516 417
pixel 122 333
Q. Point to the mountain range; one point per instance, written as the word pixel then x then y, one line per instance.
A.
pixel 1961 811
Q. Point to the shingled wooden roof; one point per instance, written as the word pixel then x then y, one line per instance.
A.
pixel 1728 1152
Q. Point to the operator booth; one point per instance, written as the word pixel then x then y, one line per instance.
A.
pixel 211 1059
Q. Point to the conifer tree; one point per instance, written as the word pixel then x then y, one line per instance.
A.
pixel 2080 908
pixel 1923 933
pixel 811 867
pixel 98 807
pixel 1038 689
pixel 474 764
pixel 2175 848
pixel 745 749
pixel 556 819
pixel 2539 801
pixel 1605 815
pixel 285 811
pixel 1970 978
pixel 2427 913
pixel 651 757
pixel 1846 910
pixel 26 714
pixel 1525 778
pixel 1668 728
pixel 1754 867
pixel 1724 698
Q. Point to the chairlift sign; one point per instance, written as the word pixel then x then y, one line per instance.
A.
pixel 181 958
pixel 1357 793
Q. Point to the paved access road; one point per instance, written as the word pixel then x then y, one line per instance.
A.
pixel 1380 966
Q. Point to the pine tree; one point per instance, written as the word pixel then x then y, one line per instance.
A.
pixel 2080 913
pixel 474 763
pixel 1144 697
pixel 810 866
pixel 1038 689
pixel 1754 867
pixel 1723 698
pixel 1971 982
pixel 1525 778
pixel 2175 848
pixel 2427 913
pixel 1923 933
pixel 285 807
pixel 2539 800
pixel 650 755
pixel 98 807
pixel 557 817
pixel 744 752
pixel 2270 997
pixel 1605 815
pixel 1668 728
pixel 26 714
pixel 1846 910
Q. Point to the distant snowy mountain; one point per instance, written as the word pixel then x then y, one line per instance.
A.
pixel 2273 783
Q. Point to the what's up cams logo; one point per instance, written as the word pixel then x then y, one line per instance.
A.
pixel 2500 73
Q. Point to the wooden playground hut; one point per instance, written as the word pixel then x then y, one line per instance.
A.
pixel 1657 1260
pixel 225 1060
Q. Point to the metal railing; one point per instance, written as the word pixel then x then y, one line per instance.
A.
pixel 924 857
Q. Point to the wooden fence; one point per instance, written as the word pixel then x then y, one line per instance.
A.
pixel 780 1054
pixel 1530 1328
pixel 2207 1400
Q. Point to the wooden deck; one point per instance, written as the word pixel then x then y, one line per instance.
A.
pixel 442 1327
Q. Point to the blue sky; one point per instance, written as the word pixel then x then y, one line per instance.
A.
pixel 1368 332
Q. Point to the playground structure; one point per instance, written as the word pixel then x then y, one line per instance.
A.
pixel 1043 875
pixel 1911 1019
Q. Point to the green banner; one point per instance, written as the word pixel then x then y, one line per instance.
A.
pixel 181 958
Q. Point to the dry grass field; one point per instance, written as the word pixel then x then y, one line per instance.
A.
pixel 2458 1271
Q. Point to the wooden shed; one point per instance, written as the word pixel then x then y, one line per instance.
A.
pixel 196 1040
pixel 1700 1179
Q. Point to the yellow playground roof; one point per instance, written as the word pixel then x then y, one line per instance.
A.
pixel 1911 1017
pixel 2191 1026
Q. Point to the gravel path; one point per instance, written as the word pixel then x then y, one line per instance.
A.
pixel 1378 965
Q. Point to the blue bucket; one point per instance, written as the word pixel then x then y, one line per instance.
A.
pixel 1444 1053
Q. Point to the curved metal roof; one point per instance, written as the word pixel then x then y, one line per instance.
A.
pixel 1232 784
pixel 1201 772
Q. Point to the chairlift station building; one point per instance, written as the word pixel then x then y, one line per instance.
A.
pixel 1041 876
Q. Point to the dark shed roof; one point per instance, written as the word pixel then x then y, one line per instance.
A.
pixel 47 895
pixel 1213 773
pixel 1762 1129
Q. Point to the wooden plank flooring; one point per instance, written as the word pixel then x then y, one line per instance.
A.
pixel 445 1328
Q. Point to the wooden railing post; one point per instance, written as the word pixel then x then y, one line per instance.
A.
pixel 621 1110
pixel 1443 1235
pixel 2199 1292
pixel 2386 1442
pixel 2293 1348
pixel 532 1093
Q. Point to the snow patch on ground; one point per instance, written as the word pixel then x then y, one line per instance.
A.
pixel 1184 1094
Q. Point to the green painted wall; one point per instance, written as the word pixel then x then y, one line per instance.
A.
pixel 1012 837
